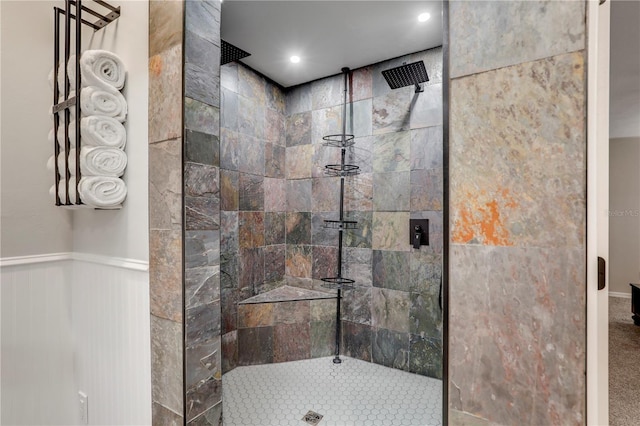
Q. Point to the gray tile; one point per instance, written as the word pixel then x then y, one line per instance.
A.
pixel 166 363
pixel 229 76
pixel 299 195
pixel 229 109
pixel 202 69
pixel 251 116
pixel 327 92
pixel 357 340
pixel 390 191
pixel 255 345
pixel 202 248
pixel 251 197
pixel 203 361
pixel 426 148
pixel 202 148
pixel 203 18
pixel 165 185
pixel 390 309
pixel 392 152
pixel 391 269
pixel 427 107
pixel 203 324
pixel 298 129
pixel 425 315
pixel 202 398
pixel 165 274
pixel 391 349
pixel 359 118
pixel 201 286
pixel 298 99
pixel 425 356
pixel 201 117
pixel 356 305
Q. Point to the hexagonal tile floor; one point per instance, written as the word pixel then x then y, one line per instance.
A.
pixel 354 393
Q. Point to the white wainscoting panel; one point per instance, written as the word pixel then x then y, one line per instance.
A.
pixel 110 315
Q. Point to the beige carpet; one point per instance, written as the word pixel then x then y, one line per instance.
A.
pixel 624 365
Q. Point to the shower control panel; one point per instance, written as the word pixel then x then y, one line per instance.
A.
pixel 419 232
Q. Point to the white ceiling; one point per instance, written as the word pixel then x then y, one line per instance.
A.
pixel 624 108
pixel 326 35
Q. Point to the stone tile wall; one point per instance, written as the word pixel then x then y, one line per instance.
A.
pixel 518 208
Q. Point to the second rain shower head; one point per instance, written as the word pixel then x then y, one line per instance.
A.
pixel 407 75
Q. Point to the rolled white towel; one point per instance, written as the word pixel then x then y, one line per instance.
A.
pixel 61 170
pixel 97 130
pixel 102 191
pixel 72 135
pixel 99 68
pixel 102 161
pixel 95 101
pixel 62 191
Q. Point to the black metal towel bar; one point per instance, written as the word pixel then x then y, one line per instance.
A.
pixel 73 10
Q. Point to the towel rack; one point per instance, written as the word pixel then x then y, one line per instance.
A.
pixel 73 10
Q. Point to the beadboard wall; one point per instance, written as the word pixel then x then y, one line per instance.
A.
pixel 83 325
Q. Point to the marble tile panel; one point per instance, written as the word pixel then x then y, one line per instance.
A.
pixel 275 127
pixel 229 190
pixel 392 152
pixel 356 305
pixel 202 148
pixel 250 117
pixel 391 191
pixel 165 274
pixel 274 160
pixel 202 213
pixel 274 263
pixel 201 248
pixel 326 194
pixel 298 99
pixel 298 129
pixel 324 262
pixel 321 236
pixel 392 112
pixel 203 361
pixel 292 342
pixel 166 363
pixel 391 349
pixel 323 155
pixel 517 174
pixel 358 193
pixel 327 92
pixel 359 118
pixel 361 154
pixel 255 345
pixel 360 237
pixel 202 70
pixel 390 309
pixel 432 59
pixel 251 85
pixel 426 148
pixel 203 397
pixel 425 272
pixel 275 195
pixel 201 180
pixel 229 149
pixel 228 109
pixel 229 232
pixel 165 94
pixel 427 189
pixel 166 20
pixel 465 419
pixel 203 19
pixel 275 97
pixel 357 265
pixel 251 268
pixel 292 312
pixel 211 417
pixel 161 414
pixel 255 315
pixel 357 340
pixel 298 262
pixel 298 228
pixel 229 76
pixel 229 298
pixel 229 270
pixel 201 117
pixel 299 195
pixel 379 84
pixel 165 185
pixel 251 194
pixel 390 231
pixel 425 315
pixel 427 107
pixel 326 121
pixel 391 269
pixel 323 337
pixel 474 47
pixel 362 84
pixel 323 310
pixel 425 356
pixel 274 228
pixel 250 229
pixel 229 351
pixel 299 161
pixel 201 286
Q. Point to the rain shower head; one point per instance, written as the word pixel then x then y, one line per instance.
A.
pixel 230 53
pixel 407 75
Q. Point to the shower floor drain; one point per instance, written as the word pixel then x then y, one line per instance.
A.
pixel 312 417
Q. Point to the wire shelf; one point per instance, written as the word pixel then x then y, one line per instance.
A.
pixel 341 224
pixel 341 170
pixel 341 140
pixel 338 283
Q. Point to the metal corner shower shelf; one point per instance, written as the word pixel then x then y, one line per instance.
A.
pixel 342 170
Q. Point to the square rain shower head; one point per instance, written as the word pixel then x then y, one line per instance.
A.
pixel 406 75
pixel 230 53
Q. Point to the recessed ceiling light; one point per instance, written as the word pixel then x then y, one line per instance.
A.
pixel 423 17
pixel 295 59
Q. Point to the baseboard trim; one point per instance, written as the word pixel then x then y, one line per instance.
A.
pixel 118 262
pixel 620 295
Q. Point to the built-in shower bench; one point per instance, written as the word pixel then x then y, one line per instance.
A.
pixel 286 324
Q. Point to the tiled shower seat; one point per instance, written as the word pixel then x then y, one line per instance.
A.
pixel 286 324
